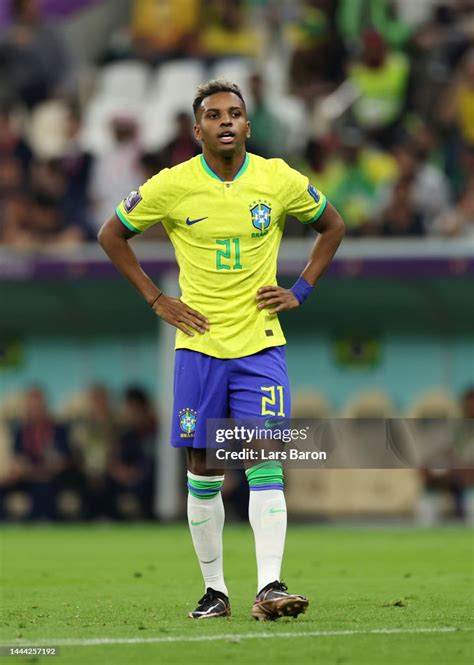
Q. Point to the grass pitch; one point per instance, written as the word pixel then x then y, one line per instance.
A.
pixel 120 594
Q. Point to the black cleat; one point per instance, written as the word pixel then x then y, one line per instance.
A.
pixel 273 602
pixel 212 605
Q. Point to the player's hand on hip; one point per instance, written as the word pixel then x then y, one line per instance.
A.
pixel 178 314
pixel 276 299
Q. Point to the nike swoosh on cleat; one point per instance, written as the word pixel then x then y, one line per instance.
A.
pixel 190 222
pixel 201 522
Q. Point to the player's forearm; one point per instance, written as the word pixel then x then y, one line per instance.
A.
pixel 122 256
pixel 331 231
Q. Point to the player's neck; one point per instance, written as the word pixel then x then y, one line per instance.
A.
pixel 225 167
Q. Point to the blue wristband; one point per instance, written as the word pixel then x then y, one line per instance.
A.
pixel 301 289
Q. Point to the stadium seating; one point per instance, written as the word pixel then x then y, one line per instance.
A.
pixel 307 403
pixel 126 80
pixel 171 90
pixel 370 403
pixel 436 403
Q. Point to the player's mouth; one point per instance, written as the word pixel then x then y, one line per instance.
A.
pixel 226 137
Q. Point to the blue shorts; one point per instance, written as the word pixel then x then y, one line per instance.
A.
pixel 207 387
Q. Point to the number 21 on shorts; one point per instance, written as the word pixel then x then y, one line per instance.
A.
pixel 273 400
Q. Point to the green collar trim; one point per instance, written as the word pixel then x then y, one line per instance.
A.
pixel 214 175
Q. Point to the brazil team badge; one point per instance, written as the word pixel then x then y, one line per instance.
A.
pixel 187 422
pixel 261 212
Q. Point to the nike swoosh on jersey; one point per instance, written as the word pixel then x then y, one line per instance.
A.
pixel 190 222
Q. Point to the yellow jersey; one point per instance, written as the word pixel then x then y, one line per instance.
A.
pixel 226 236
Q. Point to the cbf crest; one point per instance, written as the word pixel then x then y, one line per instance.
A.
pixel 261 213
pixel 187 422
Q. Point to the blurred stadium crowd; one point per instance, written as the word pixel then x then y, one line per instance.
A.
pixel 95 458
pixel 373 100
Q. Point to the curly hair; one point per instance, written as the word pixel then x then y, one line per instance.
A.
pixel 211 88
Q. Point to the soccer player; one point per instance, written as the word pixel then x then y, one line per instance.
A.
pixel 224 212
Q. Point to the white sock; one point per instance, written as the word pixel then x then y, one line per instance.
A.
pixel 206 523
pixel 267 514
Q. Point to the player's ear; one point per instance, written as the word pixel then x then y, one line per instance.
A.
pixel 197 132
pixel 248 129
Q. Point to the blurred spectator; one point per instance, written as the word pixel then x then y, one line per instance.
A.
pixel 34 60
pixel 15 160
pixel 150 164
pixel 131 469
pixel 164 29
pixel 13 216
pixel 317 52
pixel 381 78
pixel 46 219
pixel 356 177
pixel 455 115
pixel 458 220
pixel 400 216
pixel 116 172
pixel 267 133
pixel 94 435
pixel 227 31
pixel 437 46
pixel 457 484
pixel 458 107
pixel 182 146
pixel 12 178
pixel 12 143
pixel 446 34
pixel 429 189
pixel 36 221
pixel 76 166
pixel 355 16
pixel 426 141
pixel 317 164
pixel 463 177
pixel 42 464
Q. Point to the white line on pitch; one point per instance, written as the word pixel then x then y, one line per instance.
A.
pixel 98 641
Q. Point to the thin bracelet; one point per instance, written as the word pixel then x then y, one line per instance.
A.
pixel 160 294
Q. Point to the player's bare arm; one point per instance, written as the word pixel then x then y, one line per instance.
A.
pixel 114 237
pixel 331 229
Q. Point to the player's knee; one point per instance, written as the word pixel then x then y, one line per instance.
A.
pixel 196 459
pixel 265 476
pixel 204 487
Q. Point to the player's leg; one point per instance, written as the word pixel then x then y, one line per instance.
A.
pixel 198 394
pixel 259 387
pixel 267 514
pixel 206 523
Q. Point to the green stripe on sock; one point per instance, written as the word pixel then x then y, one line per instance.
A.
pixel 266 473
pixel 204 489
pixel 205 484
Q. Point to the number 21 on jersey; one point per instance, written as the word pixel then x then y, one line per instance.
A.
pixel 229 257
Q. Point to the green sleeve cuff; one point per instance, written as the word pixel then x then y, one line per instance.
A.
pixel 318 214
pixel 126 223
